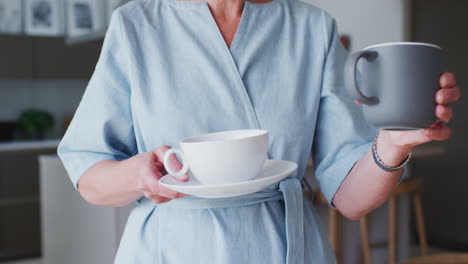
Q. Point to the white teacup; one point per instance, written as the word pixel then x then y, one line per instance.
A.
pixel 222 157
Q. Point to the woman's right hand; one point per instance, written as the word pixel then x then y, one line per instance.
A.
pixel 150 169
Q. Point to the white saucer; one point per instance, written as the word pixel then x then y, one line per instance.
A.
pixel 273 171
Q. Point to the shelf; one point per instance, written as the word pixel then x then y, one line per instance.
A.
pixel 93 36
pixel 18 201
pixel 29 145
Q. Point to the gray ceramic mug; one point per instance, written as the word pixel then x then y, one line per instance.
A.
pixel 399 83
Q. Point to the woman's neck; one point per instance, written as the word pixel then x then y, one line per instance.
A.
pixel 227 14
pixel 228 9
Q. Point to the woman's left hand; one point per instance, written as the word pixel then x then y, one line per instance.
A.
pixel 407 140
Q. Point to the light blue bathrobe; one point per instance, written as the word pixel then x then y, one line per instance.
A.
pixel 165 74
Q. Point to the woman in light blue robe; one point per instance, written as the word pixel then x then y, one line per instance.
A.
pixel 165 73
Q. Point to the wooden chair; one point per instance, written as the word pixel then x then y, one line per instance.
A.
pixel 334 223
pixel 414 188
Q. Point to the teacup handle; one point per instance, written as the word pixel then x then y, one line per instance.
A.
pixel 167 165
pixel 350 76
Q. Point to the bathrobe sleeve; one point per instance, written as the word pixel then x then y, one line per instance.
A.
pixel 102 127
pixel 342 136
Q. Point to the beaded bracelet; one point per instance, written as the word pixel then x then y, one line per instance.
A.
pixel 379 161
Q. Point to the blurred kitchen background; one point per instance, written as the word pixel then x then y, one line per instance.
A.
pixel 48 51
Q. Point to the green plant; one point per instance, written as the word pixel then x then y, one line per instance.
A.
pixel 35 122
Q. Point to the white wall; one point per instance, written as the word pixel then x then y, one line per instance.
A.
pixel 368 22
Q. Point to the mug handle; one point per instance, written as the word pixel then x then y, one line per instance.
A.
pixel 350 76
pixel 184 162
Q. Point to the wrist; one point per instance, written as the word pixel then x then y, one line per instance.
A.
pixel 390 153
pixel 130 171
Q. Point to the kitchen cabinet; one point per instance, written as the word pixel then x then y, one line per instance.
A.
pixel 72 230
pixel 53 59
pixel 16 57
pixel 19 203
pixel 24 57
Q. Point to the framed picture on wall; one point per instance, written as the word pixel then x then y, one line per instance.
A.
pixel 85 16
pixel 11 17
pixel 111 5
pixel 44 17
